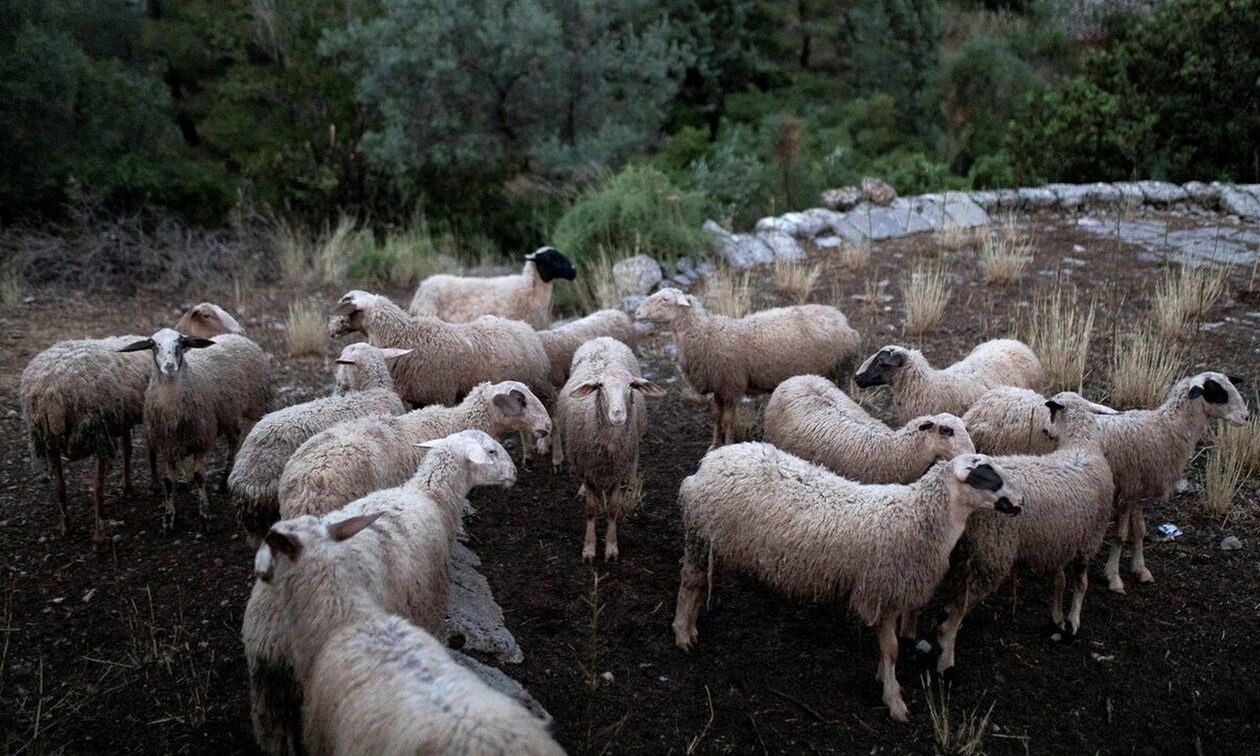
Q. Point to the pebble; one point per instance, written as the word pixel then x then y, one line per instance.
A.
pixel 607 677
pixel 923 647
pixel 1230 543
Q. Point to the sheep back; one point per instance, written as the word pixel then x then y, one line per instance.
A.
pixel 1009 420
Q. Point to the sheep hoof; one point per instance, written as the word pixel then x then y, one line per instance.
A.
pixel 685 639
pixel 1116 585
pixel 897 711
pixel 168 523
pixel 611 554
pixel 588 555
pixel 1144 575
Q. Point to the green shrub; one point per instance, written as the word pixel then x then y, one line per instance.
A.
pixel 914 173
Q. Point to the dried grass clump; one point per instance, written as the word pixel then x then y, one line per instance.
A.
pixel 927 294
pixel 305 329
pixel 595 287
pixel 12 287
pixel 1005 255
pixel 965 739
pixel 335 250
pixel 796 280
pixel 1230 461
pixel 1143 366
pixel 953 237
pixel 728 292
pixel 854 256
pixel 291 249
pixel 1059 333
pixel 1243 442
pixel 1185 296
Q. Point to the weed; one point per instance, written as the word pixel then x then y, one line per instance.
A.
pixel 306 329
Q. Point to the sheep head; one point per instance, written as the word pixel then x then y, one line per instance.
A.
pixel 1220 397
pixel 976 481
pixel 664 306
pixel 168 347
pixel 551 264
pixel 207 320
pixel 879 368
pixel 613 389
pixel 289 541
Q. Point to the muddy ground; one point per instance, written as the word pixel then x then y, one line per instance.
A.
pixel 136 648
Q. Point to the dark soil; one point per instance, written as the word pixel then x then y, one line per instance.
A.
pixel 137 649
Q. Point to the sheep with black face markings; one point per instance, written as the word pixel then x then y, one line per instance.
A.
pixel 920 389
pixel 810 533
pixel 1009 420
pixel 525 296
pixel 811 418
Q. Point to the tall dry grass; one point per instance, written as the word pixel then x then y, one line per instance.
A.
pixel 1059 332
pixel 1143 366
pixel 729 292
pixel 1006 254
pixel 796 280
pixel 1185 296
pixel 1229 462
pixel 953 237
pixel 306 329
pixel 594 286
pixel 12 287
pixel 967 737
pixel 854 256
pixel 926 293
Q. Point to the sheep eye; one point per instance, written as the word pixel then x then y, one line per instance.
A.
pixel 947 432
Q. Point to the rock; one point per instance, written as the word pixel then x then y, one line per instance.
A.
pixel 740 251
pixel 499 681
pixel 1101 194
pixel 1033 197
pixel 1240 203
pixel 802 225
pixel 783 245
pixel 844 227
pixel 636 275
pixel 1162 192
pixel 841 198
pixel 962 211
pixel 1231 543
pixel 685 266
pixel 631 303
pixel 472 612
pixel 1186 487
pixel 822 242
pixel 878 192
pixel 1203 194
pixel 1130 192
pixel 1070 196
pixel 986 199
pixel 881 222
pixel 1008 199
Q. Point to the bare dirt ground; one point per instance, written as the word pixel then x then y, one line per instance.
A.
pixel 136 648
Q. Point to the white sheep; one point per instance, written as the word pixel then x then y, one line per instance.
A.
pixel 1149 449
pixel 1067 500
pixel 194 397
pixel 730 358
pixel 1009 420
pixel 600 420
pixel 408 553
pixel 811 418
pixel 920 389
pixel 812 534
pixel 562 341
pixel 525 296
pixel 448 359
pixel 207 320
pixel 255 478
pixel 356 457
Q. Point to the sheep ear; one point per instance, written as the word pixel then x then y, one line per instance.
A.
pixel 477 455
pixel 191 343
pixel 139 346
pixel 681 300
pixel 340 531
pixel 284 543
pixel 927 425
pixel 1237 380
pixel 1196 392
pixel 345 307
pixel 340 361
pixel 392 353
pixel 1101 409
pixel 584 390
pixel 647 388
pixel 895 358
pixel 511 403
pixel 984 477
pixel 435 443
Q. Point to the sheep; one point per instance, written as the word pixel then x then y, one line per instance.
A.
pixel 525 296
pixel 373 682
pixel 408 553
pixel 255 478
pixel 811 418
pixel 561 341
pixel 193 398
pixel 600 419
pixel 355 457
pixel 448 359
pixel 207 320
pixel 1148 450
pixel 920 389
pixel 1067 499
pixel 729 357
pixel 1009 420
pixel 810 533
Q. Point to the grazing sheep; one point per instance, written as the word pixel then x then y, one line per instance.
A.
pixel 729 357
pixel 255 478
pixel 600 419
pixel 810 533
pixel 1148 450
pixel 525 296
pixel 811 418
pixel 561 341
pixel 920 389
pixel 448 359
pixel 207 320
pixel 195 397
pixel 353 458
pixel 1067 499
pixel 408 553
pixel 372 682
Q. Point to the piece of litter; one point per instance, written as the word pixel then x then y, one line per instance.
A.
pixel 1230 543
pixel 1169 531
pixel 1186 487
pixel 1100 658
pixel 1056 637
pixel 88 596
pixel 607 677
pixel 923 647
pixel 663 678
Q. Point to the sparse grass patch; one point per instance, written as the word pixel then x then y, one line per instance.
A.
pixel 728 292
pixel 796 280
pixel 926 293
pixel 305 329
pixel 854 256
pixel 291 250
pixel 1059 333
pixel 1143 366
pixel 1229 462
pixel 12 287
pixel 1185 296
pixel 334 250
pixel 404 257
pixel 1243 442
pixel 964 739
pixel 1004 255
pixel 953 237
pixel 594 285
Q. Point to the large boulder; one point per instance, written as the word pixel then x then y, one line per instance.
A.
pixel 740 251
pixel 1241 203
pixel 473 614
pixel 1161 192
pixel 784 246
pixel 1071 196
pixel 1035 197
pixel 636 275
pixel 878 192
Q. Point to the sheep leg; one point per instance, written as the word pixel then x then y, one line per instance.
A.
pixel 1078 597
pixel 127 490
pixel 168 504
pixel 203 499
pixel 888 669
pixel 98 500
pixel 592 508
pixel 233 445
pixel 691 583
pixel 557 452
pixel 1138 530
pixel 1056 598
pixel 59 484
pixel 909 624
pixel 716 405
pixel 947 635
pixel 728 423
pixel 156 484
pixel 610 534
pixel 1112 572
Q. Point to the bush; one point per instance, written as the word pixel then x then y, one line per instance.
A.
pixel 638 209
pixel 914 173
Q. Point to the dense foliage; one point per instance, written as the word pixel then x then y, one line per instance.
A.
pixel 602 123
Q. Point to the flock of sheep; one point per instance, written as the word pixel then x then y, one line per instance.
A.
pixel 354 502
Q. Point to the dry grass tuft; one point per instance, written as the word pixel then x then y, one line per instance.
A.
pixel 796 280
pixel 854 256
pixel 1183 297
pixel 728 292
pixel 1005 254
pixel 595 287
pixel 965 739
pixel 306 329
pixel 334 251
pixel 953 237
pixel 927 294
pixel 1143 366
pixel 1232 458
pixel 12 287
pixel 291 250
pixel 1059 333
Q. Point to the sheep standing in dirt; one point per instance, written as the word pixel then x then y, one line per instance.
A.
pixel 812 534
pixel 525 296
pixel 1148 451
pixel 811 418
pixel 600 420
pixel 194 397
pixel 255 478
pixel 1010 420
pixel 207 320
pixel 920 389
pixel 448 359
pixel 373 682
pixel 562 341
pixel 730 358
pixel 353 458
pixel 1067 500
pixel 408 553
